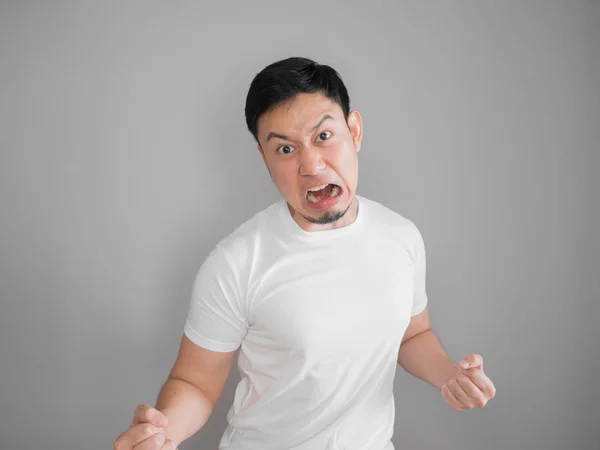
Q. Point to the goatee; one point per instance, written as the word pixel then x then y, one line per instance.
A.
pixel 328 217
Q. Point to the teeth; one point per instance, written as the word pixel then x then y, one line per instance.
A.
pixel 311 198
pixel 318 188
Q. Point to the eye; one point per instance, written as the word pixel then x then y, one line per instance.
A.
pixel 285 149
pixel 323 136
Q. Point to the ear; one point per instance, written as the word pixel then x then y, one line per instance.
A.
pixel 356 128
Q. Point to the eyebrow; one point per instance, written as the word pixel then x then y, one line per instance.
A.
pixel 273 134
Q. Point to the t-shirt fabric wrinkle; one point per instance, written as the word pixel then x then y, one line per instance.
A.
pixel 318 318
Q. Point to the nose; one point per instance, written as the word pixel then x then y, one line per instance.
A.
pixel 311 162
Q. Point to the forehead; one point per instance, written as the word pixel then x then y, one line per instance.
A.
pixel 298 114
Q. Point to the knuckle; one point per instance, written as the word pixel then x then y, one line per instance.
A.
pixel 158 439
pixel 148 430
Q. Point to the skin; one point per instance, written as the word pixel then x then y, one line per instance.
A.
pixel 463 386
pixel 298 156
pixel 307 142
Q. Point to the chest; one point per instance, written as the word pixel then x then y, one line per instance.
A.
pixel 333 302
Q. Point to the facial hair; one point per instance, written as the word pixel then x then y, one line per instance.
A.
pixel 328 217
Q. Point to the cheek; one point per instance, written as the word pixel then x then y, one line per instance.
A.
pixel 345 162
pixel 284 177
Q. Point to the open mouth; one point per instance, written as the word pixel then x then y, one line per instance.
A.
pixel 319 194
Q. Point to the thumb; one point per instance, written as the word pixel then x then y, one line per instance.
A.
pixel 471 362
pixel 148 414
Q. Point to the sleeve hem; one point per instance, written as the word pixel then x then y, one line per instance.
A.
pixel 208 343
pixel 419 307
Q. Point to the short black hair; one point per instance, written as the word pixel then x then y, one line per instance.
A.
pixel 283 80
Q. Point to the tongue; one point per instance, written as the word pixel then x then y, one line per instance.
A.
pixel 323 192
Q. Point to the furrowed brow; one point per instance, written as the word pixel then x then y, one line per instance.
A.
pixel 320 122
pixel 272 135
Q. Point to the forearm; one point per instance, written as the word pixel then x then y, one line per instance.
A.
pixel 424 357
pixel 186 407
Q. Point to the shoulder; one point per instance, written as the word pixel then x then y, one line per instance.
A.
pixel 395 226
pixel 391 221
pixel 237 247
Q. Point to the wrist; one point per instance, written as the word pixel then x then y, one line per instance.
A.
pixel 449 371
pixel 170 430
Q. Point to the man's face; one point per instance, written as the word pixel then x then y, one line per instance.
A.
pixel 306 143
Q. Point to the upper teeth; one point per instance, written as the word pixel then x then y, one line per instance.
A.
pixel 318 188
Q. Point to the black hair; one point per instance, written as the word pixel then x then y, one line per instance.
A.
pixel 281 81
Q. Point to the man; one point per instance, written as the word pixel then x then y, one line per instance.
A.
pixel 323 293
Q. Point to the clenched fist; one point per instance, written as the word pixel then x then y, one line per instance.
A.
pixel 470 388
pixel 146 432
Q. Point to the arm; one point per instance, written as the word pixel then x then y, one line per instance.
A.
pixel 463 385
pixel 192 389
pixel 421 353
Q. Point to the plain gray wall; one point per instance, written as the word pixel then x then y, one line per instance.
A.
pixel 125 158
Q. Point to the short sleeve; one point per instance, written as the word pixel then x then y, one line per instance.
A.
pixel 216 317
pixel 418 250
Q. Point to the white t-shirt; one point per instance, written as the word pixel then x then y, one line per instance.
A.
pixel 319 317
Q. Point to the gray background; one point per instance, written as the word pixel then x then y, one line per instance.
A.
pixel 124 159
